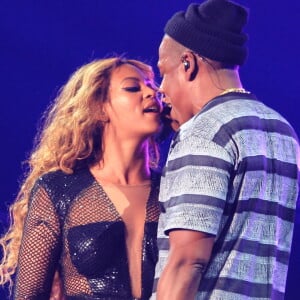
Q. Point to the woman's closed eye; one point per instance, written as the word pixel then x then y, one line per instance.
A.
pixel 132 89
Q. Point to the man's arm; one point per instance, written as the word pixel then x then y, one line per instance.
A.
pixel 189 253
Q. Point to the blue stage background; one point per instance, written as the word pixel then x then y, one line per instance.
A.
pixel 43 42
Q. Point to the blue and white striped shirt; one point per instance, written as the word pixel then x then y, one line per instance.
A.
pixel 233 172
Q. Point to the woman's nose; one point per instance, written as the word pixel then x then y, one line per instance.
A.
pixel 149 93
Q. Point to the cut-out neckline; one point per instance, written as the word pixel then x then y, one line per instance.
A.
pixel 113 207
pixel 117 214
pixel 103 183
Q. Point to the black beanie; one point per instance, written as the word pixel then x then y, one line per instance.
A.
pixel 213 29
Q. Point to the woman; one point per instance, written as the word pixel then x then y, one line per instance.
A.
pixel 88 207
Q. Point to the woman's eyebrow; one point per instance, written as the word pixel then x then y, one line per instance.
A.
pixel 130 78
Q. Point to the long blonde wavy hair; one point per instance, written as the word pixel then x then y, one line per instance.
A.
pixel 70 138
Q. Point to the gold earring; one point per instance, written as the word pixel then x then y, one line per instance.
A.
pixel 104 117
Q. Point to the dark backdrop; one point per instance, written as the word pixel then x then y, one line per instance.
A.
pixel 43 42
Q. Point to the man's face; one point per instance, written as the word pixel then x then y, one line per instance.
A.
pixel 173 82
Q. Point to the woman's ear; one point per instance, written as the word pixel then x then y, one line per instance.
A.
pixel 102 114
pixel 104 117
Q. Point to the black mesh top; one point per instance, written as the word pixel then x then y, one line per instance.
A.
pixel 73 226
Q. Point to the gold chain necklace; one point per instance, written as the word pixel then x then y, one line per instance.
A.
pixel 235 90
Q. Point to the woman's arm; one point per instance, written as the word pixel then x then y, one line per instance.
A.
pixel 40 249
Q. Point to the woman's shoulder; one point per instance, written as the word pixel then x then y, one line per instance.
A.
pixel 59 182
pixel 60 176
pixel 62 188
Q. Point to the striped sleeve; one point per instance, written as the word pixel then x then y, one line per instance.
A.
pixel 194 192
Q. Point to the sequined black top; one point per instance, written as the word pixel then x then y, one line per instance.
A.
pixel 73 226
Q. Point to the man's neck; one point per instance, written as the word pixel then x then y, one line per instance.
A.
pixel 212 85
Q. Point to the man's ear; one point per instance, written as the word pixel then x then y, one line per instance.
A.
pixel 190 65
pixel 186 63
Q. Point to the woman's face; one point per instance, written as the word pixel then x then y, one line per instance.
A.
pixel 133 109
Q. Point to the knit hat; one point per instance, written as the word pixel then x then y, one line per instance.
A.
pixel 213 29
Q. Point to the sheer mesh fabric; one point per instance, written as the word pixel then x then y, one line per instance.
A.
pixel 41 236
pixel 73 226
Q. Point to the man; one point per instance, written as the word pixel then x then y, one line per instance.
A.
pixel 229 188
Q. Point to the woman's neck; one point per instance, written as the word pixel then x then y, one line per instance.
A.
pixel 124 162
